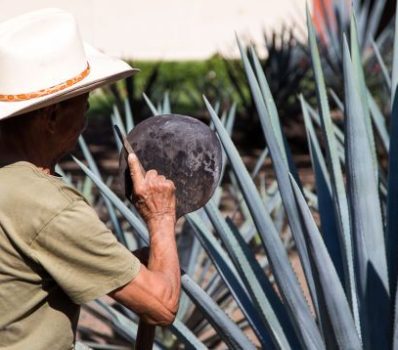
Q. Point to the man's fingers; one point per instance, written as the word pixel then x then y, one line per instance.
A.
pixel 136 171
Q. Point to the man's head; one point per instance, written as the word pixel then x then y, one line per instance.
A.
pixel 51 132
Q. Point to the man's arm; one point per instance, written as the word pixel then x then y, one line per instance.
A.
pixel 154 294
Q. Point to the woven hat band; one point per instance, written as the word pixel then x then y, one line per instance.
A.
pixel 48 91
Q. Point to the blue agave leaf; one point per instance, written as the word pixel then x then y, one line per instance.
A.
pixel 395 330
pixel 332 34
pixel 258 270
pixel 339 136
pixel 392 200
pixel 231 119
pixel 261 300
pixel 118 122
pixel 267 96
pixel 366 218
pixel 336 99
pixel 374 21
pixel 118 119
pixel 128 329
pixel 260 162
pixel 227 329
pixel 231 278
pixel 386 74
pixel 185 335
pixel 394 77
pixel 324 192
pixel 379 121
pixel 191 258
pixel 129 115
pixel 363 90
pixel 166 109
pixel 362 11
pixel 121 324
pixel 339 194
pixel 327 218
pixel 302 320
pixel 151 106
pixel 111 211
pixel 273 135
pixel 392 208
pixel 65 177
pixel 338 310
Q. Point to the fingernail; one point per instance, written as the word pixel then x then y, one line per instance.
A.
pixel 131 157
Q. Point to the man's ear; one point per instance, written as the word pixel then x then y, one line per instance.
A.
pixel 50 116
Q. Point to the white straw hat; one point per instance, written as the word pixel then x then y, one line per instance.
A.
pixel 44 61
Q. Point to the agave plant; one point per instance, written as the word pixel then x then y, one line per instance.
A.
pixel 286 66
pixel 375 36
pixel 349 257
pixel 335 19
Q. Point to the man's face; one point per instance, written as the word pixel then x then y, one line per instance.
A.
pixel 70 122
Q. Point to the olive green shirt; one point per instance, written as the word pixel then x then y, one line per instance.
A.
pixel 55 254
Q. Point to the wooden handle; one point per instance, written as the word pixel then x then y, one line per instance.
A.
pixel 145 336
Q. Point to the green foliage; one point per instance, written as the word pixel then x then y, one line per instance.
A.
pixel 185 81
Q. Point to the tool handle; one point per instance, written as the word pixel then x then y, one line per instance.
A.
pixel 145 336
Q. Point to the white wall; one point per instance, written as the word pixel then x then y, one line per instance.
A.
pixel 169 29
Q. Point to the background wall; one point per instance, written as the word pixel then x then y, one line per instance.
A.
pixel 172 29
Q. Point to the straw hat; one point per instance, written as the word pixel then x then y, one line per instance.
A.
pixel 44 61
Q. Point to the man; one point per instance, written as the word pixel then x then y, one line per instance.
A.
pixel 55 253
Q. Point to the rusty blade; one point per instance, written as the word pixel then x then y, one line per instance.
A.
pixel 127 147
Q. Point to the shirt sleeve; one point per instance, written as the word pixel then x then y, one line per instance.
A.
pixel 82 255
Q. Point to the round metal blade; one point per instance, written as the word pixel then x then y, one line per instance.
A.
pixel 184 150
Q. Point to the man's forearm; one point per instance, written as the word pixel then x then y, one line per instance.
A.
pixel 163 256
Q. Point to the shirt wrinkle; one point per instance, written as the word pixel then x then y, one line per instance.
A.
pixel 45 225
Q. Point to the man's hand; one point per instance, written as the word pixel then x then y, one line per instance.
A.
pixel 154 293
pixel 153 195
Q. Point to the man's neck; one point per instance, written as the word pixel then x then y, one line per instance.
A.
pixel 10 155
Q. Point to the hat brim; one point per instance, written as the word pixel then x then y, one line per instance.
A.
pixel 103 70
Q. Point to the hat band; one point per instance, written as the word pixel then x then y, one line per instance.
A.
pixel 48 91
